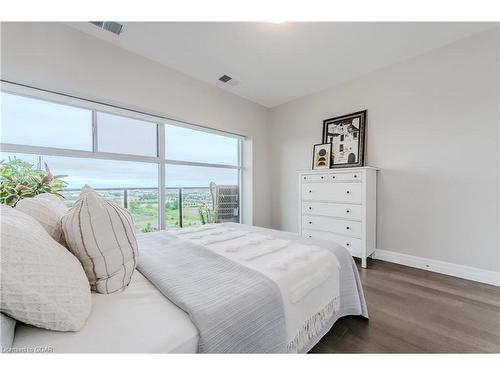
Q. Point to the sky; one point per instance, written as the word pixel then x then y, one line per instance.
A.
pixel 39 123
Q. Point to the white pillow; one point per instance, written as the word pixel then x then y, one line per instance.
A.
pixel 101 235
pixel 47 209
pixel 43 284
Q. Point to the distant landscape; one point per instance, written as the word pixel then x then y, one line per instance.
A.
pixel 143 205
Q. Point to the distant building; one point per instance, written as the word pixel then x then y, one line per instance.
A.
pixel 345 140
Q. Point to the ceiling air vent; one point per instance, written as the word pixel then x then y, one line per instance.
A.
pixel 114 27
pixel 225 78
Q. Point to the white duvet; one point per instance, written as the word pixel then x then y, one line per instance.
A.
pixel 307 275
pixel 141 319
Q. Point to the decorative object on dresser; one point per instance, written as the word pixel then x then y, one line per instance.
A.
pixel 340 206
pixel 322 156
pixel 347 136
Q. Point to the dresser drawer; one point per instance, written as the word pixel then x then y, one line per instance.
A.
pixel 331 191
pixel 354 245
pixel 347 211
pixel 339 226
pixel 350 176
pixel 340 176
pixel 315 177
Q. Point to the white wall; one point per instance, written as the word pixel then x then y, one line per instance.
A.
pixel 57 57
pixel 433 126
pixel 433 129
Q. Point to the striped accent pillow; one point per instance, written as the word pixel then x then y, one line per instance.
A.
pixel 101 235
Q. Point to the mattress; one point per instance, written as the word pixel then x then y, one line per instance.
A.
pixel 138 320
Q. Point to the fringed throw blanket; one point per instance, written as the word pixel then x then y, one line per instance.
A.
pixel 246 289
pixel 235 309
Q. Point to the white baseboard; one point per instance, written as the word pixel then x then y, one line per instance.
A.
pixel 452 269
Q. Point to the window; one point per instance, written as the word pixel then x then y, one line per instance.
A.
pixel 341 148
pixel 130 184
pixel 342 138
pixel 122 135
pixel 121 156
pixel 197 195
pixel 35 160
pixel 35 122
pixel 193 145
pixel 202 177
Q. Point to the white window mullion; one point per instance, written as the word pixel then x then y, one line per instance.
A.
pixel 94 132
pixel 201 164
pixel 240 180
pixel 161 175
pixel 52 151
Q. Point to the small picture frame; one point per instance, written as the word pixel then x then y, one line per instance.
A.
pixel 347 136
pixel 322 156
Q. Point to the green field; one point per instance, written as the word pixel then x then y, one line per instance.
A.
pixel 143 205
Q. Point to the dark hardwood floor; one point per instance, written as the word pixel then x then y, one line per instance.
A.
pixel 416 311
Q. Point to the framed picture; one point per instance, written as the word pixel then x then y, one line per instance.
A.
pixel 322 156
pixel 347 136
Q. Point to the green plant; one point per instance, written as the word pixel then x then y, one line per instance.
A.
pixel 19 179
pixel 148 228
pixel 207 214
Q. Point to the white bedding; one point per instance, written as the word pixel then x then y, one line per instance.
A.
pixel 137 320
pixel 141 320
pixel 307 275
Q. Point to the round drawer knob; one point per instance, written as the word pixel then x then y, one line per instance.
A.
pixel 333 176
pixel 348 211
pixel 310 222
pixel 322 177
pixel 310 191
pixel 305 178
pixel 347 228
pixel 310 208
pixel 309 236
pixel 355 176
pixel 347 191
pixel 347 244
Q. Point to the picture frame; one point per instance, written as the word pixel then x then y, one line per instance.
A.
pixel 322 156
pixel 347 135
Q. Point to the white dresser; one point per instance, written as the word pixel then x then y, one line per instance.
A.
pixel 340 205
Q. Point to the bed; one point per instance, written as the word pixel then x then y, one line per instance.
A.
pixel 138 320
pixel 149 317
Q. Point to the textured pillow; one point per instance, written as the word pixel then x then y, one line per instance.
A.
pixel 101 235
pixel 47 209
pixel 43 284
pixel 7 328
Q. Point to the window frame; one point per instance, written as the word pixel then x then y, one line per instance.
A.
pixel 95 131
pixel 97 106
pixel 13 90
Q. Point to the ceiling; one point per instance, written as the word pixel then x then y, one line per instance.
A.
pixel 275 63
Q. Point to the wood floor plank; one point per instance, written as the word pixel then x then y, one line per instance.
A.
pixel 417 311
